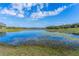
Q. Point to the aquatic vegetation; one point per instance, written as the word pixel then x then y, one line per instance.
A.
pixel 30 50
pixel 65 35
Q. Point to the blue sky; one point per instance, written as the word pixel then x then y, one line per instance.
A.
pixel 38 14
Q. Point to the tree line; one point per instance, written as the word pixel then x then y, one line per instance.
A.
pixel 64 26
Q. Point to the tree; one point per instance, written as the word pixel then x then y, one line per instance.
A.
pixel 2 25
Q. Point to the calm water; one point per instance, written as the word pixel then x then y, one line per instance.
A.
pixel 36 36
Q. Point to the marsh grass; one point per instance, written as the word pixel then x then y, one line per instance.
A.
pixel 42 47
pixel 39 48
pixel 32 50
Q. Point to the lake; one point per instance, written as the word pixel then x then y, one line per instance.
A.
pixel 39 37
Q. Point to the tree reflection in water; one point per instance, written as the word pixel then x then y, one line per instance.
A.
pixel 2 34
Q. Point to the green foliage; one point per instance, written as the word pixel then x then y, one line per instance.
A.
pixel 64 26
pixel 2 25
pixel 65 30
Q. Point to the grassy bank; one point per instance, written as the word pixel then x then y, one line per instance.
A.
pixel 6 50
pixel 14 29
pixel 66 30
pixel 18 29
pixel 63 30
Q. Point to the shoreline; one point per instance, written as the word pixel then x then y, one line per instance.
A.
pixel 6 50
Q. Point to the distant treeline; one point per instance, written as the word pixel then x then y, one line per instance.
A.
pixel 64 26
pixel 2 25
pixel 15 28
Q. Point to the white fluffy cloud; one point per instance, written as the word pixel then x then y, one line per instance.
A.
pixel 7 11
pixel 57 11
pixel 41 14
pixel 28 6
pixel 17 10
pixel 19 7
pixel 20 15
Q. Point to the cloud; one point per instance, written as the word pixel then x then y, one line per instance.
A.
pixel 41 14
pixel 20 6
pixel 7 11
pixel 28 6
pixel 11 12
pixel 57 11
pixel 20 15
pixel 17 9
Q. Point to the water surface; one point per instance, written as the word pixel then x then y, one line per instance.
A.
pixel 38 37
